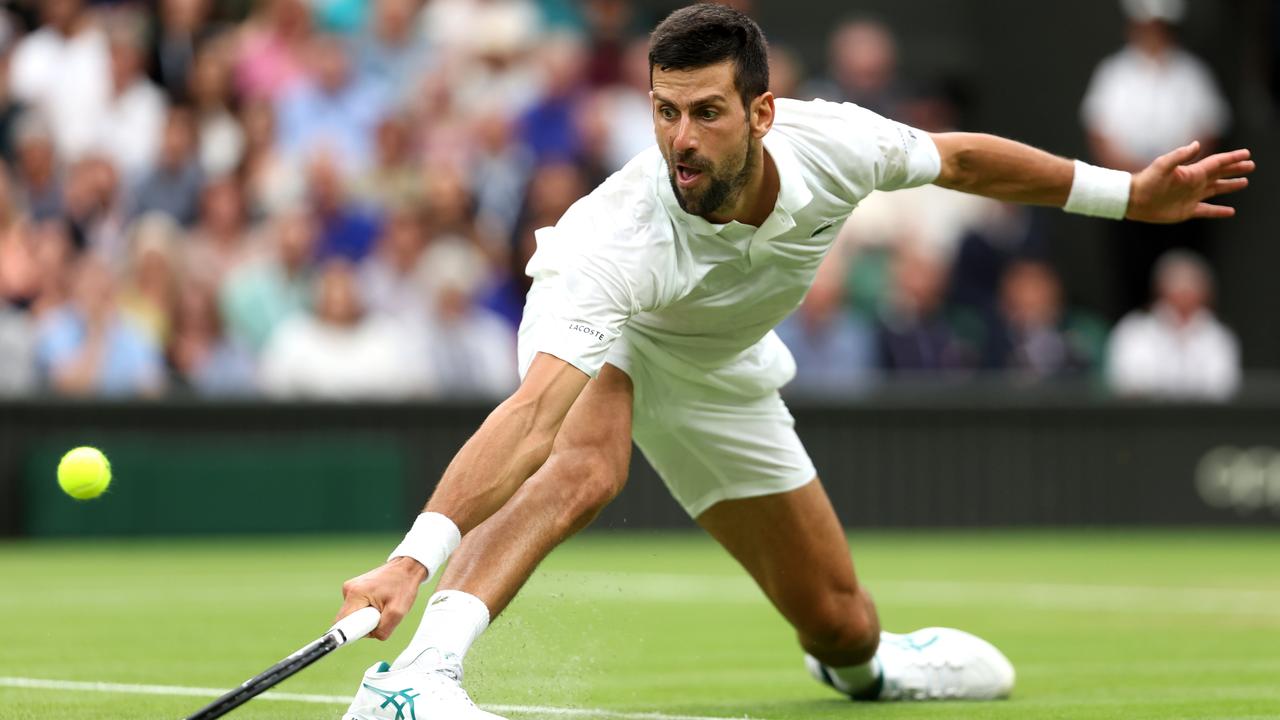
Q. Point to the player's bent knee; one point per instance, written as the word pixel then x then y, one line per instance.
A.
pixel 588 481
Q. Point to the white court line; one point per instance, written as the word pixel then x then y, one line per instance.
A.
pixel 673 587
pixel 175 690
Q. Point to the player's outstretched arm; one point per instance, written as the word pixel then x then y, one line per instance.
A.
pixel 510 445
pixel 1172 189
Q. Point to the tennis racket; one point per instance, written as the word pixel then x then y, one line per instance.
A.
pixel 347 630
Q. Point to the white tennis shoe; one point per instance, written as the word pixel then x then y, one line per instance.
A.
pixel 428 689
pixel 934 664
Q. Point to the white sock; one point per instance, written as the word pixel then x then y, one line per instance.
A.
pixel 855 679
pixel 452 622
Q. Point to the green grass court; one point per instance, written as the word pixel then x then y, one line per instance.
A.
pixel 630 626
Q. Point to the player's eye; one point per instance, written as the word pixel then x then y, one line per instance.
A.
pixel 709 114
pixel 667 113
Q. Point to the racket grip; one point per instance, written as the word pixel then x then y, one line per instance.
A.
pixel 356 625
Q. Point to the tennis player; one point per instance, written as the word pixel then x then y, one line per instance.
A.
pixel 651 317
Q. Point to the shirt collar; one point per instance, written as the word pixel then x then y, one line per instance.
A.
pixel 793 192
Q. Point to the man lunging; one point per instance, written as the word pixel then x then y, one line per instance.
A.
pixel 651 316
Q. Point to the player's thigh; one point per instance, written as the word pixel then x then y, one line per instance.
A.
pixel 793 545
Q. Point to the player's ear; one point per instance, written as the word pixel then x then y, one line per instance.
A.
pixel 760 114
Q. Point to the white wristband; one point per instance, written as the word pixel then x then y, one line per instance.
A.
pixel 1099 192
pixel 430 541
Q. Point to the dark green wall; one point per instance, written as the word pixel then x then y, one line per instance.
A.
pixel 973 458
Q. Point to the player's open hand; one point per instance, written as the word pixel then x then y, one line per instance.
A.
pixel 391 589
pixel 1171 191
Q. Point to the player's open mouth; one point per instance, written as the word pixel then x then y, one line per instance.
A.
pixel 686 175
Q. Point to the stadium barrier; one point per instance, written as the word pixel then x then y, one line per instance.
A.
pixel 962 460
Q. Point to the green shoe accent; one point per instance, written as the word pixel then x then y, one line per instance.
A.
pixel 399 699
pixel 384 666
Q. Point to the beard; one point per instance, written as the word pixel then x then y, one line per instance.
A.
pixel 723 182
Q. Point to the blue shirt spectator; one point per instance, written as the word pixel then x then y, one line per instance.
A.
pixel 833 346
pixel 85 347
pixel 390 53
pixel 334 114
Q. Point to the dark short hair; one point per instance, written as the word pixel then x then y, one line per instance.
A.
pixel 705 34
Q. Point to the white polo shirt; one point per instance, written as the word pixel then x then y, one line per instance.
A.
pixel 701 299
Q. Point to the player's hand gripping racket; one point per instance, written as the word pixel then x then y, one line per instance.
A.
pixel 348 629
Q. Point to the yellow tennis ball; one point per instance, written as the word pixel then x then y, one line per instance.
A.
pixel 84 473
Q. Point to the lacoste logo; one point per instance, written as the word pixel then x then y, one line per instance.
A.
pixel 588 330
pixel 399 699
pixel 438 600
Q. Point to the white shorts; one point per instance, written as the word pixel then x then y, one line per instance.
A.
pixel 706 444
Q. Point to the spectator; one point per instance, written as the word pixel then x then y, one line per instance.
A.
pixel 62 70
pixel 391 280
pixel 1178 349
pixel 17 343
pixel 863 68
pixel 256 298
pixel 608 26
pixel 221 241
pixel 180 33
pixel 1037 338
pixel 272 183
pixel 914 332
pixel 549 127
pixel 834 347
pixel 501 168
pixel 174 186
pixel 627 114
pixel 490 43
pixel 390 53
pixel 55 258
pixel 93 208
pixel 221 138
pixel 1153 95
pixel 470 351
pixel 149 291
pixel 37 169
pixel 271 56
pixel 1142 101
pixel 333 112
pixel 339 351
pixel 86 347
pixel 202 358
pixel 346 229
pixel 133 120
pixel 393 178
pixel 19 273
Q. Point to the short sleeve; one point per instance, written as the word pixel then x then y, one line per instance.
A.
pixel 601 264
pixel 587 309
pixel 865 151
pixel 909 156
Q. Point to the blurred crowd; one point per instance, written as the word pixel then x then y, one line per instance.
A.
pixel 336 199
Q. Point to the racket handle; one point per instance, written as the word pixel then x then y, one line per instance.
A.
pixel 356 625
